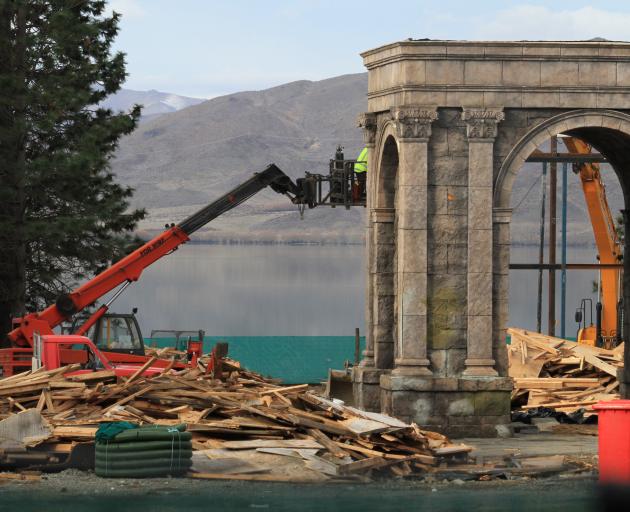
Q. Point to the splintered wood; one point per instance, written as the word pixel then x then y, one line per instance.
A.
pixel 560 374
pixel 242 411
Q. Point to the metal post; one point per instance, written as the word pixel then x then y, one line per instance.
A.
pixel 541 249
pixel 553 181
pixel 563 278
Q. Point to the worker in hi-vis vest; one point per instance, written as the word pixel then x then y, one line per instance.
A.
pixel 360 169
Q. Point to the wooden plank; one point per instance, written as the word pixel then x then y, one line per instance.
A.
pixel 75 432
pixel 25 388
pixel 19 476
pixel 561 404
pixel 363 426
pixel 289 389
pixel 49 403
pixel 41 402
pixel 128 398
pixel 99 375
pixel 66 384
pixel 601 365
pixel 363 465
pixel 369 452
pixel 556 382
pixel 324 427
pixel 452 450
pixel 59 447
pixel 138 373
pixel 15 403
pixel 612 386
pixel 252 478
pixel 272 443
pixel 329 444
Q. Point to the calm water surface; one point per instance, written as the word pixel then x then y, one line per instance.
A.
pixel 308 290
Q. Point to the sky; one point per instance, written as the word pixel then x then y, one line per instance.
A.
pixel 208 48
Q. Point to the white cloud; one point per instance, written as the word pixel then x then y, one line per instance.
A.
pixel 128 8
pixel 535 22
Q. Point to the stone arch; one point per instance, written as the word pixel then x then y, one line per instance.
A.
pixel 384 247
pixel 608 131
pixel 387 168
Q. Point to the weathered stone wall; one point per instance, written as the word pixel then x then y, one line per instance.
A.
pixel 447 205
pixel 448 127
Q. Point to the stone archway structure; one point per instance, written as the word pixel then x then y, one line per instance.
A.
pixel 449 125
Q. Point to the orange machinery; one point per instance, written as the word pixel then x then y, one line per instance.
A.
pixel 124 272
pixel 607 329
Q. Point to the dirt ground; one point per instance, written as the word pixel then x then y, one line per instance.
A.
pixel 77 490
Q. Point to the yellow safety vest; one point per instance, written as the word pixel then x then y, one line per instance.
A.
pixel 361 164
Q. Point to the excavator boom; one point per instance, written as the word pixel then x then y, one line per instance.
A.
pixel 131 266
pixel 606 238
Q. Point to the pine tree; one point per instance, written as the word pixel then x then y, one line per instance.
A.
pixel 62 215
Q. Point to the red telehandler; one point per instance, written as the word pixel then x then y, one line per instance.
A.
pixel 119 276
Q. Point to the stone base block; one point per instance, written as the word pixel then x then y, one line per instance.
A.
pixel 366 388
pixel 457 407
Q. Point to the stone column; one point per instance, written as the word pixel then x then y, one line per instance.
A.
pixel 367 121
pixel 500 288
pixel 382 278
pixel 413 126
pixel 481 132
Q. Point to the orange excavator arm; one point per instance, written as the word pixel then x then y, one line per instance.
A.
pixel 604 231
pixel 131 267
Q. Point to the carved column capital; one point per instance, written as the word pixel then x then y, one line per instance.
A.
pixel 482 123
pixel 414 122
pixel 367 121
pixel 501 215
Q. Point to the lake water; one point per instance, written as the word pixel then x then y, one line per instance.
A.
pixel 300 290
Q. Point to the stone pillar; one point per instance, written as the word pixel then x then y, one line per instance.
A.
pixel 501 219
pixel 378 354
pixel 414 129
pixel 367 121
pixel 379 311
pixel 481 132
pixel 382 275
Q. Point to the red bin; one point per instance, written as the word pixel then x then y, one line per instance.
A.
pixel 614 441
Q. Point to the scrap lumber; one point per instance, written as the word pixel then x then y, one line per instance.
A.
pixel 19 476
pixel 241 413
pixel 561 374
pixel 264 443
pixel 250 477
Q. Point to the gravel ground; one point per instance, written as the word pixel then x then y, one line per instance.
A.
pixel 77 490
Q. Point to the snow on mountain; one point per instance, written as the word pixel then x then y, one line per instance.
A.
pixel 155 103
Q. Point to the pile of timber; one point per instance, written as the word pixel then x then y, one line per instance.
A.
pixel 241 411
pixel 560 374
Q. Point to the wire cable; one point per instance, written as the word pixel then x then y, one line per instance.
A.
pixel 526 194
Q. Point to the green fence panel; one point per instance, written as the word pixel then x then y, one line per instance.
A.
pixel 294 359
pixel 508 339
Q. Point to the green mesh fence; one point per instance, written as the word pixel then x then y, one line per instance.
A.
pixel 508 339
pixel 294 359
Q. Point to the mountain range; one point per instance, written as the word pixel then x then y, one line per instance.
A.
pixel 187 152
pixel 183 160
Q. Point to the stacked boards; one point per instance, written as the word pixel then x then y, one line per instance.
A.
pixel 145 452
pixel 560 374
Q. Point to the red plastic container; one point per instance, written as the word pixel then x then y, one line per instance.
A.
pixel 614 441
